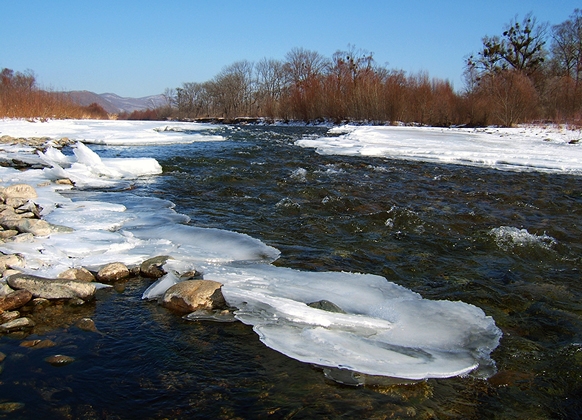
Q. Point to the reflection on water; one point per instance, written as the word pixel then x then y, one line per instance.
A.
pixel 507 242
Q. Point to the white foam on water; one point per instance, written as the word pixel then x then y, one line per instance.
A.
pixel 508 237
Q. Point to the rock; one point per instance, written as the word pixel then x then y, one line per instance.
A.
pixel 39 303
pixel 152 267
pixel 5 289
pixel 11 261
pixel 8 316
pixel 45 344
pixel 9 272
pixel 7 234
pixel 77 273
pixel 29 207
pixel 59 360
pixel 17 324
pixel 10 407
pixel 20 190
pixel 16 202
pixel 15 300
pixel 38 344
pixel 52 288
pixel 193 295
pixel 64 181
pixel 2 357
pixel 113 272
pixel 35 226
pixel 86 324
pixel 191 275
pixel 326 305
pixel 29 343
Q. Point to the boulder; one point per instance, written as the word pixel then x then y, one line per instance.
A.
pixel 152 267
pixel 52 288
pixel 77 273
pixel 15 300
pixel 20 191
pixel 113 272
pixel 192 295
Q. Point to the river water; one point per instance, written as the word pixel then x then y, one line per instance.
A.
pixel 507 242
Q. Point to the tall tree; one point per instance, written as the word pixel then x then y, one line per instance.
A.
pixel 521 48
pixel 566 47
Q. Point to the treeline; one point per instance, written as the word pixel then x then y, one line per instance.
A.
pixel 530 72
pixel 20 97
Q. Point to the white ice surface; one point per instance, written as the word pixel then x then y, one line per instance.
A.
pixel 112 132
pixel 386 330
pixel 518 149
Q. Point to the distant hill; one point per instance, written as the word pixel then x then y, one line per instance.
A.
pixel 115 104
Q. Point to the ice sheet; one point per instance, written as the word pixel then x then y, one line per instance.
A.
pixel 522 149
pixel 386 330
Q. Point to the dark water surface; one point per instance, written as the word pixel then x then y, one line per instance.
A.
pixel 444 231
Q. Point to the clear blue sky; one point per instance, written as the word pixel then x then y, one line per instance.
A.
pixel 140 47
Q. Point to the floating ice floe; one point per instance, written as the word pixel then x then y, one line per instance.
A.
pixel 382 329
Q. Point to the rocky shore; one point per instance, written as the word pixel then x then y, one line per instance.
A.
pixel 29 302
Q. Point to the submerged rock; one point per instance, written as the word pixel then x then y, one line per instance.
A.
pixel 59 360
pixel 113 272
pixel 193 295
pixel 86 324
pixel 10 407
pixel 52 288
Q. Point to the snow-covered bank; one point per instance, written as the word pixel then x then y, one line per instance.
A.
pixel 112 132
pixel 384 329
pixel 528 148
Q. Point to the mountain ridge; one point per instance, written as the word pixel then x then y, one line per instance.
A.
pixel 115 104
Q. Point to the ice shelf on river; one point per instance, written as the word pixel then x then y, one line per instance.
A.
pixel 525 148
pixel 384 329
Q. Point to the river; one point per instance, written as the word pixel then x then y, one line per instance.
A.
pixel 507 242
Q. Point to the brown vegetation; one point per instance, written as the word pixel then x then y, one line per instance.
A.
pixel 20 97
pixel 514 78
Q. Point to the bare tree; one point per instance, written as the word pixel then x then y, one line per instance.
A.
pixel 271 82
pixel 567 47
pixel 521 48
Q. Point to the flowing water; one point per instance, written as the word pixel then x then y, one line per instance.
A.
pixel 507 242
